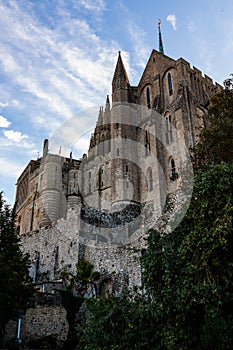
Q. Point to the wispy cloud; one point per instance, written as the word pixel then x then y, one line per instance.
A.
pixel 172 19
pixel 95 6
pixel 15 136
pixel 2 104
pixel 140 47
pixel 191 24
pixel 4 123
pixel 138 41
pixel 47 67
pixel 13 168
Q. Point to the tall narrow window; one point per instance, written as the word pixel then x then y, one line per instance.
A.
pixel 173 166
pixel 167 131
pixel 103 144
pixel 150 179
pixel 169 79
pixel 174 174
pixel 148 97
pixel 170 129
pixel 100 178
pixel 147 143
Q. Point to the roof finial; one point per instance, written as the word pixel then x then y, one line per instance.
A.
pixel 160 38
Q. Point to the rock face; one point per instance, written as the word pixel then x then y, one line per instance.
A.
pixel 101 207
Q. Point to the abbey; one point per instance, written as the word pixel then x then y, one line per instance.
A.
pixel 102 206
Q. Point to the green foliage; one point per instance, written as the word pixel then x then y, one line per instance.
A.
pixel 95 275
pixel 15 289
pixel 217 139
pixel 189 271
pixel 84 271
pixel 118 323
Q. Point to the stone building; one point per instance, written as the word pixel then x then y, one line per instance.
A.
pixel 101 206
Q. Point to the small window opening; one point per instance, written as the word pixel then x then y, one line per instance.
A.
pixel 148 97
pixel 170 128
pixel 167 131
pixel 174 174
pixel 169 79
pixel 151 184
pixel 147 144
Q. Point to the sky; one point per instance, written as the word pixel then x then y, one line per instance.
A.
pixel 57 59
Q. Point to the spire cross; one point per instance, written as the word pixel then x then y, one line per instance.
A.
pixel 160 38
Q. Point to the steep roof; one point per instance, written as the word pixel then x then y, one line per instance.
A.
pixel 120 71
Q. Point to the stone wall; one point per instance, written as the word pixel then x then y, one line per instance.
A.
pixel 53 249
pixel 46 319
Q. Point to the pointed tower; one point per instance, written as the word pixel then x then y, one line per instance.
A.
pixel 107 111
pixel 161 50
pixel 120 83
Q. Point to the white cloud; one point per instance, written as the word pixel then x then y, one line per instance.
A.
pixel 2 104
pixel 191 25
pixel 138 39
pixel 13 169
pixel 15 136
pixel 95 6
pixel 172 19
pixel 57 77
pixel 4 123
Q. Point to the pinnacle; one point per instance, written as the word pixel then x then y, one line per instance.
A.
pixel 120 71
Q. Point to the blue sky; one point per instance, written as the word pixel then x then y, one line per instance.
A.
pixel 57 59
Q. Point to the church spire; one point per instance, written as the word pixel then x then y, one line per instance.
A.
pixel 120 72
pixel 120 82
pixel 160 39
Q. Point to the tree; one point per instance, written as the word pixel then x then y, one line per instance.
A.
pixel 189 271
pixel 217 139
pixel 15 288
pixel 118 323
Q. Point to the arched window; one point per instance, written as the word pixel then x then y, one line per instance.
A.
pixel 151 184
pixel 169 80
pixel 148 97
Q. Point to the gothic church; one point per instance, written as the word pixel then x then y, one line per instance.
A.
pixel 101 206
